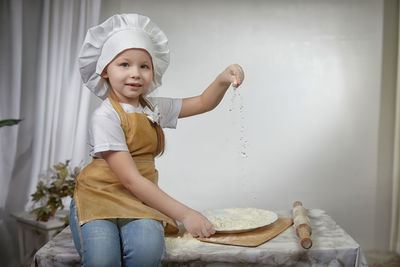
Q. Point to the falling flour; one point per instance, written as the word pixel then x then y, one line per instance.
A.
pixel 240 218
pixel 242 138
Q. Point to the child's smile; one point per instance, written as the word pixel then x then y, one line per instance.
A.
pixel 130 74
pixel 135 86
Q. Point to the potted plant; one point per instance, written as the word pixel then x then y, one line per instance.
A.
pixel 52 188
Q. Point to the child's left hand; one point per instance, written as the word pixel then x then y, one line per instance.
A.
pixel 233 74
pixel 214 93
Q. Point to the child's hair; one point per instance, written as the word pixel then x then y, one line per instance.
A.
pixel 160 133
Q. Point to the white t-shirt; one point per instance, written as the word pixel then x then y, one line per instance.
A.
pixel 105 132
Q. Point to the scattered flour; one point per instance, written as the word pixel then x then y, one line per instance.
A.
pixel 242 139
pixel 240 218
pixel 180 243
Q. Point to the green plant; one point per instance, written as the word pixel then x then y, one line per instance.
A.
pixel 9 122
pixel 51 189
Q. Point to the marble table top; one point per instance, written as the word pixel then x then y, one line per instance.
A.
pixel 332 246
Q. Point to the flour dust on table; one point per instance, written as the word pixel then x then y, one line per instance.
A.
pixel 240 219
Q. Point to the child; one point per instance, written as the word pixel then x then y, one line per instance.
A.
pixel 118 212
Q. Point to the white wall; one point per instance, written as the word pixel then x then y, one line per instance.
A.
pixel 310 107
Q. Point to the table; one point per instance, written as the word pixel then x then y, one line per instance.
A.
pixel 332 246
pixel 32 234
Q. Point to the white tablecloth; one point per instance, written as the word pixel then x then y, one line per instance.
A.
pixel 332 246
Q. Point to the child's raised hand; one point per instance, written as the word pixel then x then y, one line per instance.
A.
pixel 233 74
pixel 197 225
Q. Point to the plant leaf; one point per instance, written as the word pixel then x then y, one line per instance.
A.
pixel 42 213
pixel 9 122
pixel 60 166
pixel 76 171
pixel 63 173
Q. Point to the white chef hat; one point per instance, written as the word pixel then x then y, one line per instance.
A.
pixel 118 33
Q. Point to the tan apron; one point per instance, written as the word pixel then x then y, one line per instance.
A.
pixel 98 192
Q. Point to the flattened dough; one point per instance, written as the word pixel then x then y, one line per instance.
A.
pixel 234 219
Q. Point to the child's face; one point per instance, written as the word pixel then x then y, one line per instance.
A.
pixel 130 74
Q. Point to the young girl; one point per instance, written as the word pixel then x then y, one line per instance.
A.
pixel 118 213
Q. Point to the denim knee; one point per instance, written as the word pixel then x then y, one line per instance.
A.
pixel 102 260
pixel 102 244
pixel 143 243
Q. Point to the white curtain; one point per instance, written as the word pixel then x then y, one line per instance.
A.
pixel 62 104
pixel 10 85
pixel 395 223
pixel 40 83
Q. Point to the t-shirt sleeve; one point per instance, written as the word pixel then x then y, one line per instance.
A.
pixel 169 109
pixel 105 134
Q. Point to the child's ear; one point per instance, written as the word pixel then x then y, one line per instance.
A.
pixel 104 74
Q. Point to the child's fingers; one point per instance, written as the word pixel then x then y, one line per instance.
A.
pixel 205 233
pixel 207 230
pixel 238 75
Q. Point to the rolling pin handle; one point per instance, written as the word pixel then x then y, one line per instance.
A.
pixel 304 232
pixel 306 243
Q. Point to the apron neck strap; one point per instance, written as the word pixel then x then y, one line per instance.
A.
pixel 121 112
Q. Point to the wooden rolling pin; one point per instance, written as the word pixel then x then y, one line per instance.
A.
pixel 302 224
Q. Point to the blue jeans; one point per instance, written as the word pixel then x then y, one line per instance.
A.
pixel 114 241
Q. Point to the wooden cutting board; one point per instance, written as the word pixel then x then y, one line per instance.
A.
pixel 253 238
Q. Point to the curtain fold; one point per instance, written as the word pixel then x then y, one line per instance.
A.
pixel 10 84
pixel 395 220
pixel 40 83
pixel 62 102
pixel 10 92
